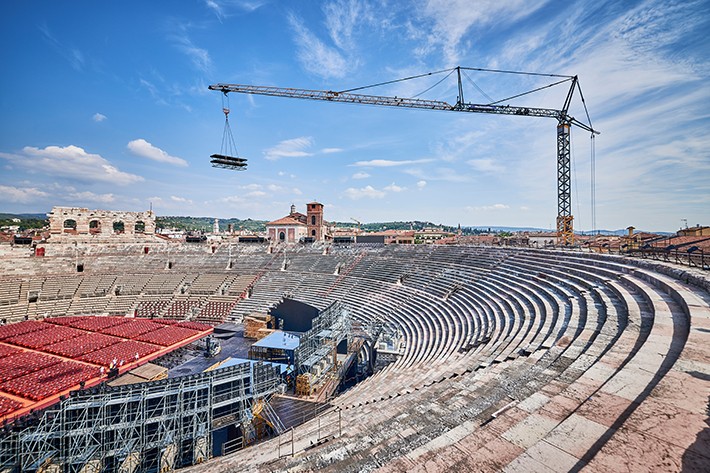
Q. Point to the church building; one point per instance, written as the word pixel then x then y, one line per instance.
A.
pixel 296 227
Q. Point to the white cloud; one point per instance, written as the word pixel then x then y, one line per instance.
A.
pixel 181 200
pixel 221 7
pixel 452 20
pixel 92 197
pixel 386 163
pixel 144 149
pixel 73 55
pixel 364 192
pixel 394 188
pixel 360 175
pixel 421 184
pixel 296 191
pixel 485 165
pixel 216 7
pixel 343 17
pixel 331 150
pixel 314 55
pixel 22 195
pixel 199 57
pixel 156 200
pixel 72 162
pixel 439 174
pixel 98 117
pixel 293 148
pixel 488 208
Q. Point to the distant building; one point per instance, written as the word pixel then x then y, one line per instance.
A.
pixel 542 239
pixel 430 235
pixel 694 231
pixel 296 227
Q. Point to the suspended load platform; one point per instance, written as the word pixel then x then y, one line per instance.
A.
pixel 228 157
pixel 228 162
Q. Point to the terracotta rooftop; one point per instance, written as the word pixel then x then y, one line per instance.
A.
pixel 287 220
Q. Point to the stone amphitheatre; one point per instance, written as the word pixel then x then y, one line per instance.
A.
pixel 511 359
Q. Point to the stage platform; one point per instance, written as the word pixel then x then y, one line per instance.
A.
pixel 43 361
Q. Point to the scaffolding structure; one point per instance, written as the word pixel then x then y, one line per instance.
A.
pixel 157 426
pixel 316 353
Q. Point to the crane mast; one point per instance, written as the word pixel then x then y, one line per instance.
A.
pixel 565 227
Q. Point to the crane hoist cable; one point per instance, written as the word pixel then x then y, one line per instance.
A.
pixel 228 157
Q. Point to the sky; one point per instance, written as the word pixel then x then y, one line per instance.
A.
pixel 106 105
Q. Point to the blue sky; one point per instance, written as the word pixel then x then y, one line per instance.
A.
pixel 105 105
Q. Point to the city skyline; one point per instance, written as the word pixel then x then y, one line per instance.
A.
pixel 107 106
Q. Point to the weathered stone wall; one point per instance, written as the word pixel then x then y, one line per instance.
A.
pixel 98 222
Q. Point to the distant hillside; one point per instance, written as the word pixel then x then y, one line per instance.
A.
pixel 38 220
pixel 205 224
pixel 27 221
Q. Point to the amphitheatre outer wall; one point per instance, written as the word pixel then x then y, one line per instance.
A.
pixel 67 223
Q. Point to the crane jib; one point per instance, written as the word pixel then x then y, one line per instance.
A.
pixel 332 96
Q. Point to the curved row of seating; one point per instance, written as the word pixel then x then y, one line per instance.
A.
pixel 8 405
pixel 554 358
pixel 516 359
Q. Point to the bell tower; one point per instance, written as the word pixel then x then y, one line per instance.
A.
pixel 314 222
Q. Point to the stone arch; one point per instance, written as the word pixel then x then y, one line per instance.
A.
pixel 139 227
pixel 282 235
pixel 94 226
pixel 118 227
pixel 69 223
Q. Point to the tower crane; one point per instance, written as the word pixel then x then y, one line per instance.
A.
pixel 565 228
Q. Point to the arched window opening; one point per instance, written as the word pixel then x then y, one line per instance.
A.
pixel 118 227
pixel 313 233
pixel 313 219
pixel 140 226
pixel 69 225
pixel 282 236
pixel 94 226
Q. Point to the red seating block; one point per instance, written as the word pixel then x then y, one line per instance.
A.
pixel 8 405
pixel 7 350
pixel 96 324
pixel 51 380
pixel 66 321
pixel 12 330
pixel 132 328
pixel 195 326
pixel 20 364
pixel 168 335
pixel 76 347
pixel 123 351
pixel 40 338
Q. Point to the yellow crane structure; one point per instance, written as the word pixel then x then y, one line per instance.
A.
pixel 565 227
